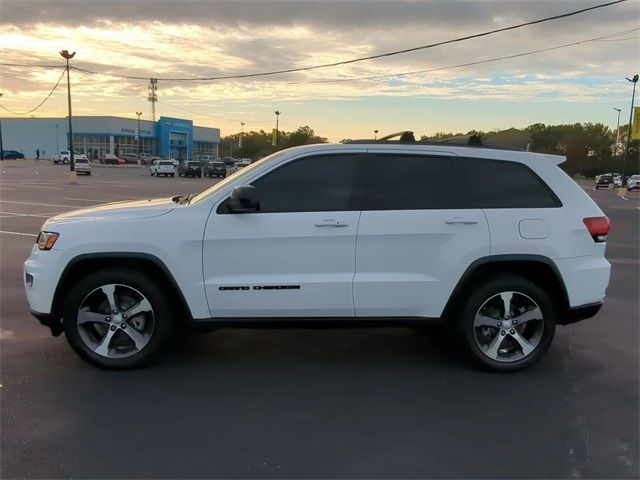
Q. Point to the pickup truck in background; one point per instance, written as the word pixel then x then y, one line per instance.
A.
pixel 64 157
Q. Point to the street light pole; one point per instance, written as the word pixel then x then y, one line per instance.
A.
pixel 241 134
pixel 633 80
pixel 57 141
pixel 138 135
pixel 277 112
pixel 615 148
pixel 1 154
pixel 375 134
pixel 72 162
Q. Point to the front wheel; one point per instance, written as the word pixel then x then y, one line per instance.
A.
pixel 172 175
pixel 118 319
pixel 507 323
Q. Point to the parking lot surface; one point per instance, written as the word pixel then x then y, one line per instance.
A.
pixel 375 403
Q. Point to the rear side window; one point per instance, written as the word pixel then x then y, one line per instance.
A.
pixel 313 184
pixel 503 184
pixel 409 182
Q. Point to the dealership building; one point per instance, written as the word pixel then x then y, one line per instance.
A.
pixel 94 136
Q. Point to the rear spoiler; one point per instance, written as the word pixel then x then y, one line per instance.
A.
pixel 557 159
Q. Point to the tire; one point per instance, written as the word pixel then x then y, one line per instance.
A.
pixel 88 173
pixel 172 175
pixel 87 330
pixel 482 324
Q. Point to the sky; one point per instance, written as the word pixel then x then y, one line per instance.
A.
pixel 194 39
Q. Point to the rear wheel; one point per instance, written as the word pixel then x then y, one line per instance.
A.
pixel 507 324
pixel 118 319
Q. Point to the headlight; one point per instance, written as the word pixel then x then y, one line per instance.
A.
pixel 46 240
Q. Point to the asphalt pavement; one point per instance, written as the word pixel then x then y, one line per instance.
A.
pixel 293 403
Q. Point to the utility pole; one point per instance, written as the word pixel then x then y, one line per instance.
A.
pixel 138 136
pixel 72 163
pixel 57 140
pixel 633 80
pixel 1 147
pixel 153 96
pixel 241 134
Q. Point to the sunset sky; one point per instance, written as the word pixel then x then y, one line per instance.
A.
pixel 195 39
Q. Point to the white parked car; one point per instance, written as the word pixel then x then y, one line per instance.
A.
pixel 163 167
pixel 64 157
pixel 633 183
pixel 617 181
pixel 331 233
pixel 82 165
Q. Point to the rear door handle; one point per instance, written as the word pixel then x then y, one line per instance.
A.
pixel 330 222
pixel 462 220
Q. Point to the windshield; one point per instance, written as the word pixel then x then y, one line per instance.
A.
pixel 232 178
pixel 193 164
pixel 166 164
pixel 218 164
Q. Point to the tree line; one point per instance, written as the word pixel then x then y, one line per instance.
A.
pixel 590 148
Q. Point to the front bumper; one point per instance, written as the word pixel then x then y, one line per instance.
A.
pixel 49 320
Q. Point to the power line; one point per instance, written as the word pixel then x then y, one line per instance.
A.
pixel 40 104
pixel 478 62
pixel 360 59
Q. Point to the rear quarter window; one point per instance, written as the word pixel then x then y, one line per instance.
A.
pixel 502 184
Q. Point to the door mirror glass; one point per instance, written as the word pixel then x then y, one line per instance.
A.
pixel 243 199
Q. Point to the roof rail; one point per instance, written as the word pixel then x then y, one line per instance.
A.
pixel 473 141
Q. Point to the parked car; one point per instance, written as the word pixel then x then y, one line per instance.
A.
pixel 279 241
pixel 243 163
pixel 190 168
pixel 147 159
pixel 111 159
pixel 82 165
pixel 604 181
pixel 162 167
pixel 617 181
pixel 215 169
pixel 633 183
pixel 64 157
pixel 206 160
pixel 129 158
pixel 12 155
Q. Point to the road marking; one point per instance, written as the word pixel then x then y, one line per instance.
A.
pixel 19 233
pixel 87 199
pixel 43 204
pixel 17 214
pixel 624 198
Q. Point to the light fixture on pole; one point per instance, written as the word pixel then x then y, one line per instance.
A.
pixel 241 134
pixel 57 140
pixel 633 80
pixel 72 162
pixel 275 137
pixel 138 136
pixel 1 154
pixel 375 134
pixel 615 147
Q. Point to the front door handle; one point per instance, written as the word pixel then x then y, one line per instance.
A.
pixel 330 222
pixel 462 220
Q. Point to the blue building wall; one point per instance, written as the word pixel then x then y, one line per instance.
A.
pixel 175 138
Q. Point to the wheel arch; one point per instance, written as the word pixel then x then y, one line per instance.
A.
pixel 85 263
pixel 539 269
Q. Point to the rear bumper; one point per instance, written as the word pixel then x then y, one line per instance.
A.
pixel 582 312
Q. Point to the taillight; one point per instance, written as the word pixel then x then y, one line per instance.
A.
pixel 598 228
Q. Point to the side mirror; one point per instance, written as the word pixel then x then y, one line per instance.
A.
pixel 243 199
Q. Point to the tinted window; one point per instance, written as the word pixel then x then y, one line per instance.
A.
pixel 409 182
pixel 503 184
pixel 312 184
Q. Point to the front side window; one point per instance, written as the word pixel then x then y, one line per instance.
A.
pixel 409 182
pixel 313 184
pixel 503 184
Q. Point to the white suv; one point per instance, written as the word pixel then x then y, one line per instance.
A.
pixel 374 232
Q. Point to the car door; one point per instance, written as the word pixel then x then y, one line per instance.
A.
pixel 414 242
pixel 295 256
